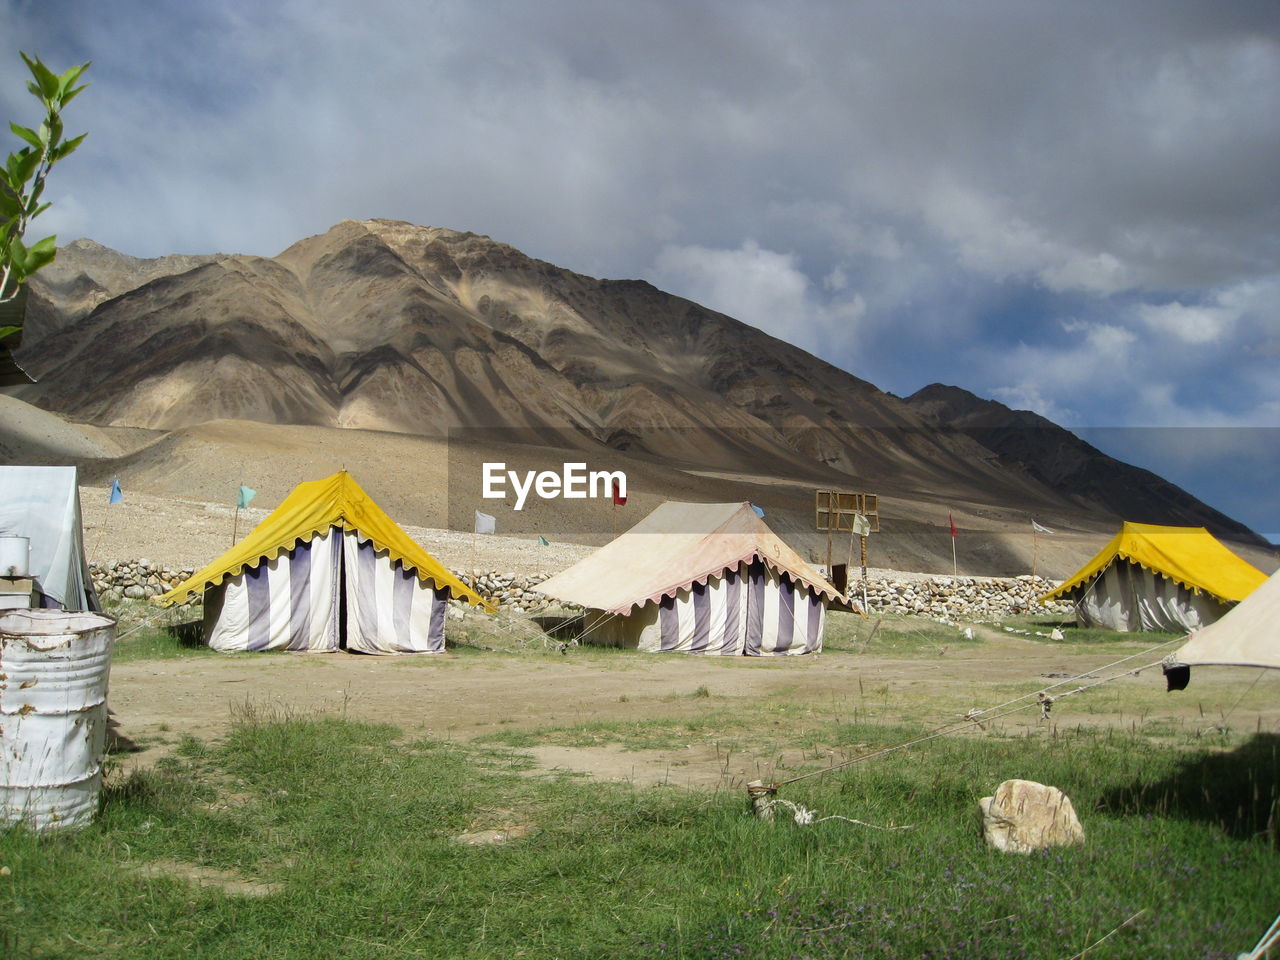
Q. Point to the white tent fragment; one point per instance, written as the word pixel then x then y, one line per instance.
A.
pixel 1246 636
pixel 43 505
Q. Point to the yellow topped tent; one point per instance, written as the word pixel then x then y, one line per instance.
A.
pixel 699 578
pixel 326 569
pixel 1151 577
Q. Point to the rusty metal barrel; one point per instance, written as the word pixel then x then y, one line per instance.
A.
pixel 54 667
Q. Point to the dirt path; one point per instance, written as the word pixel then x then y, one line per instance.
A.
pixel 764 703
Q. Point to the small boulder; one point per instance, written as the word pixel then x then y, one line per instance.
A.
pixel 1025 816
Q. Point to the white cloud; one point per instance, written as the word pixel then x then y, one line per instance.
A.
pixel 764 288
pixel 1026 395
pixel 1190 324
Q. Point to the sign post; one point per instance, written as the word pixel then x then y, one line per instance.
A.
pixel 859 513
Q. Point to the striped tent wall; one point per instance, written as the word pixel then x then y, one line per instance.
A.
pixel 296 602
pixel 389 610
pixel 288 603
pixel 748 611
pixel 1128 597
pixel 783 617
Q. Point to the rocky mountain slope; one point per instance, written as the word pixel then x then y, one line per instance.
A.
pixel 1032 445
pixel 385 326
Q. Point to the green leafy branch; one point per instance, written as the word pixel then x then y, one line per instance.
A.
pixel 22 178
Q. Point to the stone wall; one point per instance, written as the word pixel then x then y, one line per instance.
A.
pixel 949 598
pixel 961 598
pixel 118 580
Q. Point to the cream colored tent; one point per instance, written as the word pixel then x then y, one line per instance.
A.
pixel 707 578
pixel 326 570
pixel 1151 577
pixel 1247 636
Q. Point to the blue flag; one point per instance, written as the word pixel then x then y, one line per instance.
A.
pixel 758 510
pixel 246 494
pixel 116 495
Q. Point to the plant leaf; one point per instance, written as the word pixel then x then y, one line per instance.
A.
pixel 40 254
pixel 46 78
pixel 28 135
pixel 62 149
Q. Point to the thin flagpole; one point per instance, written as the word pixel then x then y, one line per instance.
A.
pixel 955 570
pixel 1035 547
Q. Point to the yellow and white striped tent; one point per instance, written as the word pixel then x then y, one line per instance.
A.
pixel 326 570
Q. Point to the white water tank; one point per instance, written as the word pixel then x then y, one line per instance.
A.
pixel 54 667
pixel 15 556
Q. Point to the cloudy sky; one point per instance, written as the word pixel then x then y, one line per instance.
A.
pixel 1073 208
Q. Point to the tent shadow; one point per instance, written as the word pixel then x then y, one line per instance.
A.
pixel 559 627
pixel 1237 791
pixel 188 634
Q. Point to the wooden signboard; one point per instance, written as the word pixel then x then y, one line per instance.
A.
pixel 835 511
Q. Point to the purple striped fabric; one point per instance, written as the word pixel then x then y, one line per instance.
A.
pixel 258 586
pixel 786 615
pixel 757 581
pixel 300 596
pixel 439 607
pixel 701 618
pixel 668 623
pixel 813 636
pixel 732 612
pixel 364 585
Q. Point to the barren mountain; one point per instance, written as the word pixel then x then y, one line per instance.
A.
pixel 1028 443
pixel 384 326
pixel 86 274
pixel 387 326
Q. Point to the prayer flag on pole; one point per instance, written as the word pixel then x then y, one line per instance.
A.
pixel 759 511
pixel 1039 528
pixel 116 495
pixel 544 542
pixel 619 498
pixel 953 525
pixel 485 523
pixel 246 494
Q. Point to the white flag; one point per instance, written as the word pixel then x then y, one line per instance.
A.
pixel 1039 528
pixel 485 523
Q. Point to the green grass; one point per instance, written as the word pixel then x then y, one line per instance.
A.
pixel 358 826
pixel 894 635
pixel 158 643
pixel 1073 634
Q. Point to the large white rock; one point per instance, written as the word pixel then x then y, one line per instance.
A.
pixel 1025 816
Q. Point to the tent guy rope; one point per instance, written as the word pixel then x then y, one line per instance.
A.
pixel 1042 701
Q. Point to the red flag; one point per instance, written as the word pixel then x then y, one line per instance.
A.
pixel 953 525
pixel 619 498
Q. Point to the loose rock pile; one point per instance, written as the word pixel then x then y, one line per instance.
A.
pixel 118 580
pixel 510 590
pixel 948 598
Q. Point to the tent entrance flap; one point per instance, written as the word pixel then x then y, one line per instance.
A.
pixel 388 609
pixel 290 602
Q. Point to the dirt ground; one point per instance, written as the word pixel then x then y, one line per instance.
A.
pixel 765 703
